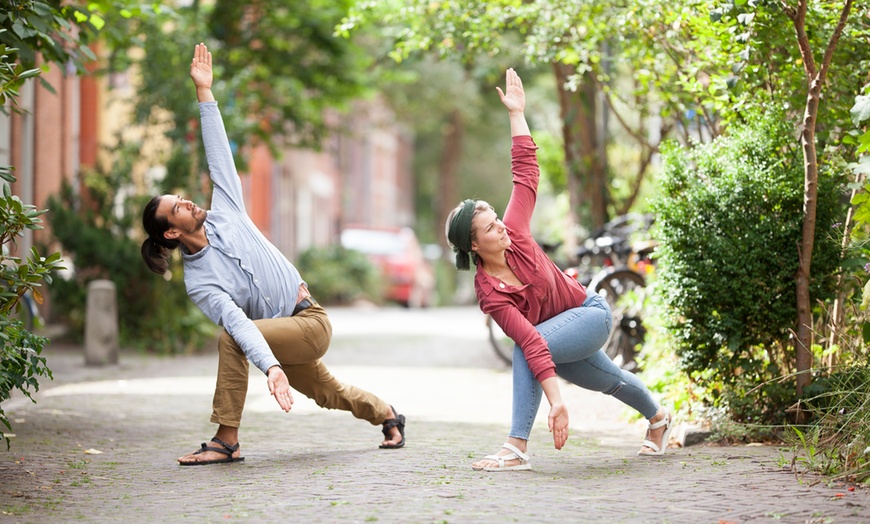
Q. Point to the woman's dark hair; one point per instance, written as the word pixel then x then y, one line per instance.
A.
pixel 156 249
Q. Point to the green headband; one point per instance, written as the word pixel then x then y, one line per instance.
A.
pixel 459 234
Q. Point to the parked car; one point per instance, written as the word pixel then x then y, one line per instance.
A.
pixel 408 276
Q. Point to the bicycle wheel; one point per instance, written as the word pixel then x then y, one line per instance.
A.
pixel 501 343
pixel 623 291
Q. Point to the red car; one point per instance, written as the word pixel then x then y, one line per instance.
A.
pixel 409 278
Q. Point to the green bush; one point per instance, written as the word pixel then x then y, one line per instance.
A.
pixel 20 363
pixel 154 311
pixel 336 275
pixel 729 220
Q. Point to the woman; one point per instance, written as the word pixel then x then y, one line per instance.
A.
pixel 558 326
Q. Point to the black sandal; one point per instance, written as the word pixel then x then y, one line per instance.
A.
pixel 398 421
pixel 226 450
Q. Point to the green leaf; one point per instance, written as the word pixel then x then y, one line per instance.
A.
pixel 30 73
pixel 862 166
pixel 864 141
pixel 861 110
pixel 97 21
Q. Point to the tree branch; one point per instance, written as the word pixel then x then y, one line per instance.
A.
pixel 835 38
pixel 799 18
pixel 789 10
pixel 628 129
pixel 645 160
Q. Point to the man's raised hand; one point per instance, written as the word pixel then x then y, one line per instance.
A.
pixel 200 67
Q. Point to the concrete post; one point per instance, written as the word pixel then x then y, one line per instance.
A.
pixel 101 324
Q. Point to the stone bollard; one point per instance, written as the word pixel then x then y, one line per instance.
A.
pixel 101 324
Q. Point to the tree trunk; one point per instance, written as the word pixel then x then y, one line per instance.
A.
pixel 584 158
pixel 803 341
pixel 815 80
pixel 447 195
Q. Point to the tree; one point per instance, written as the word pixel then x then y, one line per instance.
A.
pixel 576 40
pixel 696 66
pixel 281 72
pixel 815 81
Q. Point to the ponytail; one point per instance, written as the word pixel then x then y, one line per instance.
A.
pixel 156 256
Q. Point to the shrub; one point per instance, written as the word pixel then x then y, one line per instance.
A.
pixel 729 220
pixel 336 275
pixel 20 363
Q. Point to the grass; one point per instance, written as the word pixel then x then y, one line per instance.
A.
pixel 15 510
pixel 836 443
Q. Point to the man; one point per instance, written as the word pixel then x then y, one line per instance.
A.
pixel 243 283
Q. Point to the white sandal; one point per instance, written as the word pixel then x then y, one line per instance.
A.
pixel 515 454
pixel 668 422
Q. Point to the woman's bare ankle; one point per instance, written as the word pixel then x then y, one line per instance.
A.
pixel 520 444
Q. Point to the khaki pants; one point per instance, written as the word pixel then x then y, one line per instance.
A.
pixel 298 342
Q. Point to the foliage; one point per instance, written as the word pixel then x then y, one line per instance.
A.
pixel 279 74
pixel 58 33
pixel 20 366
pixel 12 75
pixel 336 275
pixel 729 218
pixel 837 441
pixel 837 444
pixel 694 66
pixel 54 30
pixel 94 227
pixel 20 363
pixel 856 288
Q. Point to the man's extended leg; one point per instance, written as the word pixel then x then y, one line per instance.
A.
pixel 316 382
pixel 298 342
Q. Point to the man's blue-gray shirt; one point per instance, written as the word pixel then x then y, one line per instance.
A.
pixel 239 276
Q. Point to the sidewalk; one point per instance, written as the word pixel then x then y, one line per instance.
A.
pixel 100 446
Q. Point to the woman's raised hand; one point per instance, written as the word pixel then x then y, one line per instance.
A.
pixel 200 67
pixel 513 97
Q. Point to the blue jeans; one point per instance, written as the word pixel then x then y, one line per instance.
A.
pixel 575 338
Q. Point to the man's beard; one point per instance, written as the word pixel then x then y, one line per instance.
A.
pixel 200 221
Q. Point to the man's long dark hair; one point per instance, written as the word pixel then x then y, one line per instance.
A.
pixel 156 249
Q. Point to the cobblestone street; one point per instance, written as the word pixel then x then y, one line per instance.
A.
pixel 100 446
